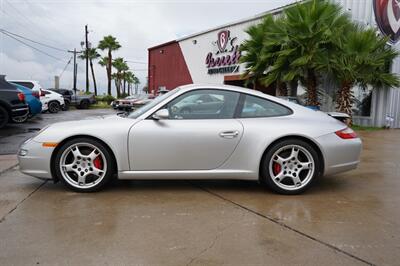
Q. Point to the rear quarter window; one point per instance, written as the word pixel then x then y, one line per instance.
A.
pixel 259 107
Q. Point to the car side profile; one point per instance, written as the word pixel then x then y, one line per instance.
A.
pixel 32 98
pixel 250 136
pixel 52 101
pixel 12 103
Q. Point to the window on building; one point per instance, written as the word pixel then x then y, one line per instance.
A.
pixel 204 104
pixel 258 107
pixel 362 101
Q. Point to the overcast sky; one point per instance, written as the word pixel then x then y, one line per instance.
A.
pixel 137 25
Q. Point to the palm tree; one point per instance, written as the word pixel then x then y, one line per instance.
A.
pixel 92 55
pixel 363 59
pixel 298 44
pixel 121 66
pixel 136 82
pixel 129 78
pixel 257 56
pixel 110 44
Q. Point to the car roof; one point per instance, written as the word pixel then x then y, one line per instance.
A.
pixel 23 80
pixel 294 106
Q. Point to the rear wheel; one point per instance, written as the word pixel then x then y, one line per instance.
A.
pixel 290 166
pixel 54 107
pixel 84 165
pixel 84 105
pixel 4 117
pixel 20 119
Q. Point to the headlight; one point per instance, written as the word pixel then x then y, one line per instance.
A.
pixel 22 152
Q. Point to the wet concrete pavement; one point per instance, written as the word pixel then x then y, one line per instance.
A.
pixel 347 219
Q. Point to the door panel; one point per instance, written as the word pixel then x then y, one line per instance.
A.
pixel 182 144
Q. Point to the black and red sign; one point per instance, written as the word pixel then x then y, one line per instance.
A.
pixel 387 15
pixel 226 59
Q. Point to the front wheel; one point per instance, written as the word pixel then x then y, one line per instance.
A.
pixel 290 167
pixel 3 117
pixel 54 107
pixel 84 165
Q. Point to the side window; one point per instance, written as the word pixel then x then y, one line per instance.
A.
pixel 259 107
pixel 204 104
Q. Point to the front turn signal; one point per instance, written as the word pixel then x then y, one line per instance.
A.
pixel 49 144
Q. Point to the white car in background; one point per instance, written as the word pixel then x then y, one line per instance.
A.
pixel 51 101
pixel 30 84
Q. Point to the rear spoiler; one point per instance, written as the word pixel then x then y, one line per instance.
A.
pixel 343 117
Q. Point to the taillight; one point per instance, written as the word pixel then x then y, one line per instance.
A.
pixel 21 96
pixel 36 94
pixel 346 133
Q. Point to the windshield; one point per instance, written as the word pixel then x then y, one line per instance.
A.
pixel 138 112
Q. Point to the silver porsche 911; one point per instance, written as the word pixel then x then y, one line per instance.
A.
pixel 196 132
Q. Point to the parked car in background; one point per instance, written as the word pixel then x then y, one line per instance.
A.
pixel 81 101
pixel 126 103
pixel 52 101
pixel 32 98
pixel 12 103
pixel 30 84
pixel 143 100
pixel 132 101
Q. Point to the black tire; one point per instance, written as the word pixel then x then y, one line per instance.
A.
pixel 54 107
pixel 66 106
pixel 266 178
pixel 20 119
pixel 4 117
pixel 84 105
pixel 110 170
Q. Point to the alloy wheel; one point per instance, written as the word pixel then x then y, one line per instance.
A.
pixel 83 165
pixel 291 167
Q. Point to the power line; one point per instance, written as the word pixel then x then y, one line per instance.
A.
pixel 136 62
pixel 22 37
pixel 69 61
pixel 38 50
pixel 30 22
pixel 16 9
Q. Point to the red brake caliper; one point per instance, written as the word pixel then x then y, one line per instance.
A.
pixel 98 162
pixel 276 168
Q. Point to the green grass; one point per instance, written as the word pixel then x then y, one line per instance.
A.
pixel 100 105
pixel 365 128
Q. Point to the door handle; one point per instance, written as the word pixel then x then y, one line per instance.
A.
pixel 229 134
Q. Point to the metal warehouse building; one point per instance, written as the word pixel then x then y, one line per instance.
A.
pixel 212 57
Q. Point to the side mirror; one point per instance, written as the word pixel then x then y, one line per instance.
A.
pixel 161 114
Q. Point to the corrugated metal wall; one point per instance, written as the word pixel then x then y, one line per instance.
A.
pixel 385 102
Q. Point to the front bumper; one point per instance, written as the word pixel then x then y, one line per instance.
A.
pixel 36 161
pixel 340 155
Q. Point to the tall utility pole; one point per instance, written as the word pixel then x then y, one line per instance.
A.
pixel 75 67
pixel 87 57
